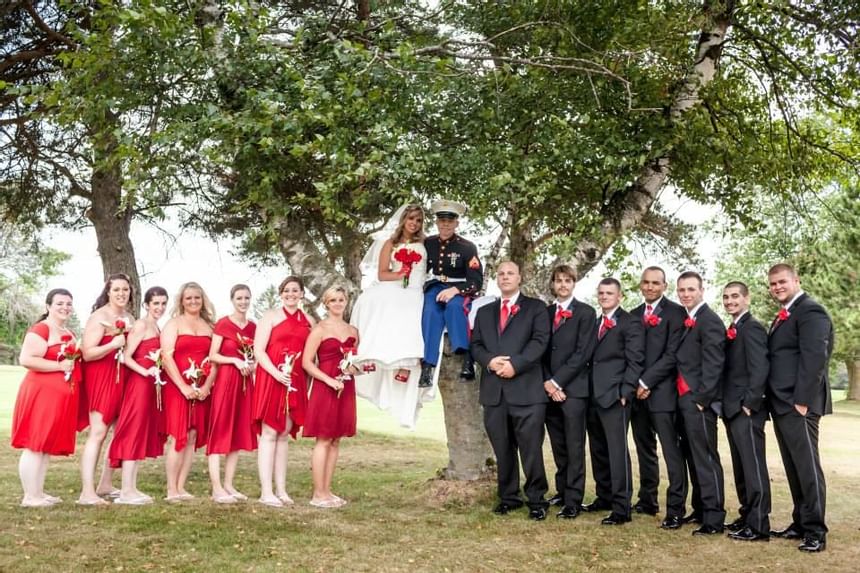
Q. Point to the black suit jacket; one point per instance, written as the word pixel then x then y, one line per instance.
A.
pixel 570 346
pixel 524 339
pixel 617 360
pixel 701 356
pixel 800 348
pixel 661 345
pixel 746 367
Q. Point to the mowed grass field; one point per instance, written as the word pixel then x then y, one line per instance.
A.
pixel 400 517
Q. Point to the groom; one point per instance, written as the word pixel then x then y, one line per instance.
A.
pixel 454 276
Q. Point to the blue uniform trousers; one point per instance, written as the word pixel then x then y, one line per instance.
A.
pixel 436 317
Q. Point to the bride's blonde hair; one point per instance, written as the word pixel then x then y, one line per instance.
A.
pixel 397 236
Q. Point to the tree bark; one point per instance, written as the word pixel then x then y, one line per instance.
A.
pixel 853 367
pixel 468 447
pixel 111 219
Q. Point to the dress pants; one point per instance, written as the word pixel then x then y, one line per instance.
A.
pixel 701 432
pixel 647 427
pixel 599 454
pixel 565 423
pixel 749 466
pixel 514 430
pixel 797 437
pixel 436 317
pixel 613 422
pixel 684 441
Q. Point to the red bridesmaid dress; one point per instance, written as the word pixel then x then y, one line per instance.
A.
pixel 270 396
pixel 46 409
pixel 230 428
pixel 103 386
pixel 330 416
pixel 137 435
pixel 181 414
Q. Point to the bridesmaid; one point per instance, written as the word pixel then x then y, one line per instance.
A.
pixel 331 407
pixel 185 343
pixel 279 412
pixel 46 410
pixel 230 419
pixel 137 434
pixel 103 343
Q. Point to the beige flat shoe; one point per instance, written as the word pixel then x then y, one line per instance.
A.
pixel 271 502
pixel 132 501
pixel 286 499
pixel 227 498
pixel 96 501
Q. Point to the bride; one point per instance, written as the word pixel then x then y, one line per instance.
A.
pixel 388 318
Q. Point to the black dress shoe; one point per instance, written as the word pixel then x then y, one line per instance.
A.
pixel 812 545
pixel 646 509
pixel 692 518
pixel 596 505
pixel 537 514
pixel 737 525
pixel 557 499
pixel 748 534
pixel 505 508
pixel 673 522
pixel 568 512
pixel 615 519
pixel 790 532
pixel 467 373
pixel 426 380
pixel 708 530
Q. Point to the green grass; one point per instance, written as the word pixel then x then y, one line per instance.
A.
pixel 400 518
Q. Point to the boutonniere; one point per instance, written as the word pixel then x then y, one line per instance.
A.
pixel 515 308
pixel 565 314
pixel 652 320
pixel 689 322
pixel 783 315
pixel 731 332
pixel 608 323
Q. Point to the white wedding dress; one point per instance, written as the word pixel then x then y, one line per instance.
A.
pixel 388 319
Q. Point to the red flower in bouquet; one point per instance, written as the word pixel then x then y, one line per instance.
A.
pixel 69 351
pixel 652 320
pixel 689 322
pixel 120 326
pixel 407 259
pixel 731 332
pixel 289 361
pixel 348 364
pixel 196 375
pixel 246 350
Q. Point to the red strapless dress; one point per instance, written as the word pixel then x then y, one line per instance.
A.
pixel 230 428
pixel 330 416
pixel 46 409
pixel 137 434
pixel 104 381
pixel 180 414
pixel 270 396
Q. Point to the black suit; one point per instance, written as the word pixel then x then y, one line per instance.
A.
pixel 566 362
pixel 743 386
pixel 701 356
pixel 616 364
pixel 800 349
pixel 655 416
pixel 514 409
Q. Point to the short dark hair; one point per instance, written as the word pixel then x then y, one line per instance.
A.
pixel 563 270
pixel 780 267
pixel 655 268
pixel 610 281
pixel 49 300
pixel 692 275
pixel 153 292
pixel 739 285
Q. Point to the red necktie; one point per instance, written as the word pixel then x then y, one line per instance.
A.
pixel 503 317
pixel 602 330
pixel 558 312
pixel 649 310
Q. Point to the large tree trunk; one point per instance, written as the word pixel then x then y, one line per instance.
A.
pixel 110 218
pixel 468 448
pixel 853 367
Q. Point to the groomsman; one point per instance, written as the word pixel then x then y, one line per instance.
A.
pixel 509 341
pixel 800 344
pixel 454 276
pixel 565 373
pixel 744 414
pixel 701 356
pixel 616 365
pixel 653 413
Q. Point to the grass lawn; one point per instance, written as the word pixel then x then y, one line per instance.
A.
pixel 400 517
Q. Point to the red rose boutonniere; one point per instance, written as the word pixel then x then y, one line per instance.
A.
pixel 783 315
pixel 731 332
pixel 608 323
pixel 565 314
pixel 652 320
pixel 689 322
pixel 515 309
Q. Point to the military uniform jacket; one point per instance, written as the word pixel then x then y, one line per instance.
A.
pixel 746 367
pixel 455 258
